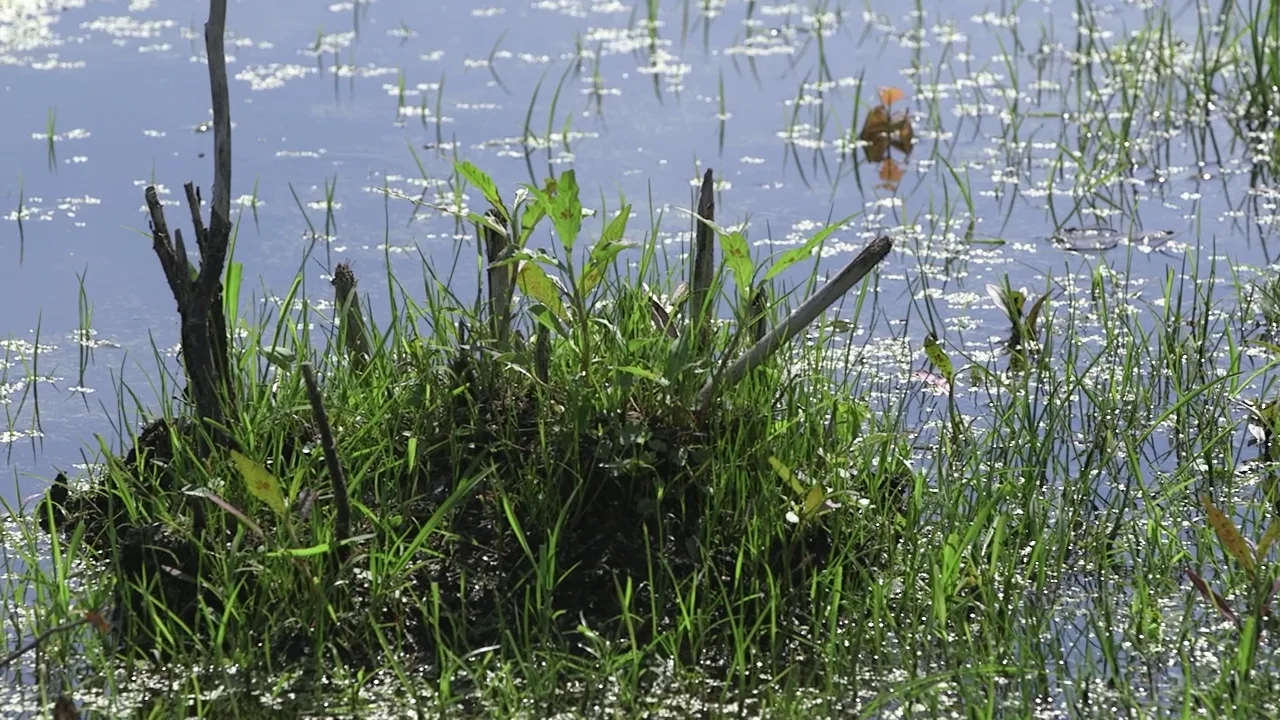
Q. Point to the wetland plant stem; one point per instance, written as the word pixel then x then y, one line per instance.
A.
pixel 342 522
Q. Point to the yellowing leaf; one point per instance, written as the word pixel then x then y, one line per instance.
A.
pixel 738 257
pixel 1228 535
pixel 813 500
pixel 1268 539
pixel 785 473
pixel 535 283
pixel 260 482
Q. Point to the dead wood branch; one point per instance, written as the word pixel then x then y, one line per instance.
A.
pixel 818 303
pixel 199 293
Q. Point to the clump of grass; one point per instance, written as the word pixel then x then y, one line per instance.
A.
pixel 511 494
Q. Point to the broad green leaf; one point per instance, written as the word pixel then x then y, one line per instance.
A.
pixel 231 293
pixel 785 473
pixel 1228 535
pixel 938 357
pixel 487 221
pixel 614 231
pixel 530 218
pixel 260 482
pixel 1268 539
pixel 813 500
pixel 606 249
pixel 282 356
pixel 1033 315
pixel 534 282
pixel 482 182
pixel 641 373
pixel 566 209
pixel 718 230
pixel 795 255
pixel 738 257
pixel 599 263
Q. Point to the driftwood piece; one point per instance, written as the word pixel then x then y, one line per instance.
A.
pixel 817 304
pixel 703 257
pixel 199 293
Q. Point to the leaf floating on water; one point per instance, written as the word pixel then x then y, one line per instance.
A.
pixel 260 482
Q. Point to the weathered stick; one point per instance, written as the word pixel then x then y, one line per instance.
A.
pixel 501 280
pixel 220 214
pixel 199 295
pixel 351 327
pixel 703 256
pixel 337 478
pixel 826 296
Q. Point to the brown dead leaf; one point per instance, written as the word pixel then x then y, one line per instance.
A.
pixel 905 138
pixel 876 124
pixel 95 619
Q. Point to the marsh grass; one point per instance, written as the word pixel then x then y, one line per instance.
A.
pixel 565 532
pixel 902 515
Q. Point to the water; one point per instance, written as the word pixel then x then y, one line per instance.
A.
pixel 768 94
pixel 342 93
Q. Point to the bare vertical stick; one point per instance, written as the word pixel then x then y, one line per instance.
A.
pixel 337 478
pixel 351 327
pixel 500 279
pixel 817 304
pixel 703 256
pixel 199 294
pixel 220 214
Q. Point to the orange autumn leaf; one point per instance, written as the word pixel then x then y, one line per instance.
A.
pixel 890 95
pixel 891 172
